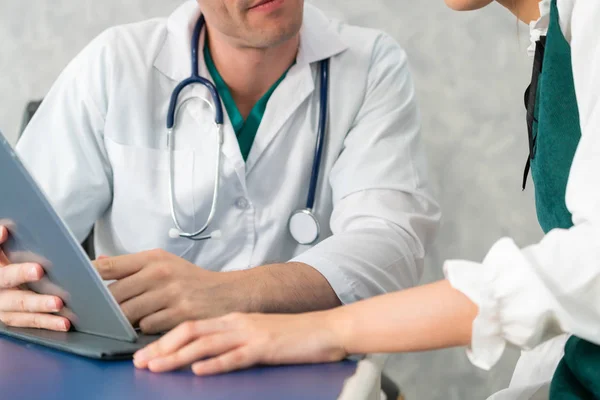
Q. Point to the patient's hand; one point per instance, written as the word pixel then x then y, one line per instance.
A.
pixel 23 308
pixel 241 340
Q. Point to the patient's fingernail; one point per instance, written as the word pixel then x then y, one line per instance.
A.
pixel 138 363
pixel 140 356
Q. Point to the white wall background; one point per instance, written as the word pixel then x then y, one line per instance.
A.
pixel 470 69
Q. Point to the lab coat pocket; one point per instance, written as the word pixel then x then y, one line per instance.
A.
pixel 141 213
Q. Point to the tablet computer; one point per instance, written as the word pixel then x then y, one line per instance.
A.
pixel 38 234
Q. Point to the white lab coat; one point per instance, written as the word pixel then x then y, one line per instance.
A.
pixel 531 295
pixel 97 146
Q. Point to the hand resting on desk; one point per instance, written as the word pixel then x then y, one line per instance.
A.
pixel 423 318
pixel 238 341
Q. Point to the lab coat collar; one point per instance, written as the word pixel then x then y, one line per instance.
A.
pixel 318 41
pixel 173 59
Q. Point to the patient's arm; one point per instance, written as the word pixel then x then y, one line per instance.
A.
pixel 424 318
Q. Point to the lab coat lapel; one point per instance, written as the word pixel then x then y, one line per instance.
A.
pixel 200 111
pixel 204 117
pixel 280 108
pixel 318 41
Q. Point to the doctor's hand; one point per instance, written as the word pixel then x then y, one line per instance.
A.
pixel 158 290
pixel 23 308
pixel 239 341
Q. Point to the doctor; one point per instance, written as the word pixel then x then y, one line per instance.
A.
pixel 344 133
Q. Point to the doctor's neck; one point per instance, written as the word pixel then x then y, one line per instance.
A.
pixel 248 71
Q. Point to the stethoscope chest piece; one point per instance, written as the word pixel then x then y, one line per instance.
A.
pixel 304 227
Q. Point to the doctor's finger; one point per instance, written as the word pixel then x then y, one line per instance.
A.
pixel 160 322
pixel 134 285
pixel 144 305
pixel 26 301
pixel 39 321
pixel 14 275
pixel 121 266
pixel 206 346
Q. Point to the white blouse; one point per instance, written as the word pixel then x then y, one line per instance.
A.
pixel 539 28
pixel 527 296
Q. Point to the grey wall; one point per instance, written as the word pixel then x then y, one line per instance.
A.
pixel 470 70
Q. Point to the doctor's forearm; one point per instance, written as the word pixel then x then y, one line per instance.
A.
pixel 289 288
pixel 424 318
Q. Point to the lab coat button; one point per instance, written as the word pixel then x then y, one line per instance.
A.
pixel 242 203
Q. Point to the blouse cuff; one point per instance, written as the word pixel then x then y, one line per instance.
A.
pixel 503 288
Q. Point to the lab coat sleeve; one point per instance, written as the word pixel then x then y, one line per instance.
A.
pixel 527 296
pixel 62 147
pixel 384 215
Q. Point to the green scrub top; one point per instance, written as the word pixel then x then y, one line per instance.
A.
pixel 244 130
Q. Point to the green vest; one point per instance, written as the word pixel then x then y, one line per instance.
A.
pixel 554 136
pixel 554 127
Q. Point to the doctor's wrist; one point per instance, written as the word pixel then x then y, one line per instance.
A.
pixel 240 287
pixel 285 288
pixel 254 290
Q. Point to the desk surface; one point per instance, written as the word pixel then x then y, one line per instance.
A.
pixel 33 372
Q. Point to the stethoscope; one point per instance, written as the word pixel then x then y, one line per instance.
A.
pixel 303 225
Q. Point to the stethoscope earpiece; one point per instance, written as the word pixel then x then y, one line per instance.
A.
pixel 174 233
